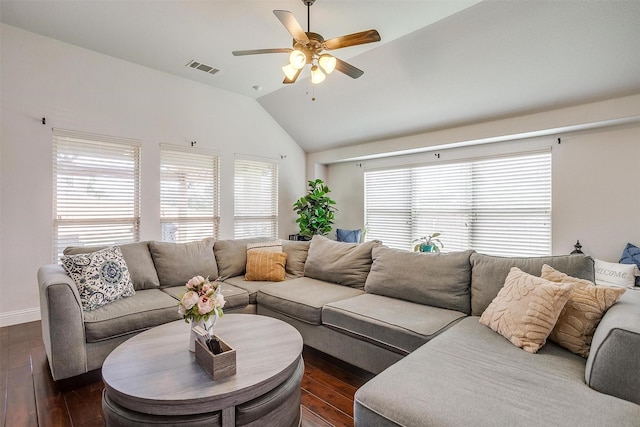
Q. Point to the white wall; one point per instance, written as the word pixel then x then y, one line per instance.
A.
pixel 595 190
pixel 82 90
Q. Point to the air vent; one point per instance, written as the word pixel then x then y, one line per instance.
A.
pixel 202 67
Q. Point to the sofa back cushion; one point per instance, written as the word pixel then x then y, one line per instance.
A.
pixel 440 280
pixel 339 262
pixel 297 252
pixel 176 263
pixel 138 259
pixel 488 273
pixel 231 255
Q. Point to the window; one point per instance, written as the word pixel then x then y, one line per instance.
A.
pixel 256 198
pixel 96 190
pixel 189 194
pixel 498 206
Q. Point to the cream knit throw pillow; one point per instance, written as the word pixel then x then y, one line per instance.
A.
pixel 582 313
pixel 526 309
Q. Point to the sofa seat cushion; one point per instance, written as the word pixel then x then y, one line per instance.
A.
pixel 303 298
pixel 234 297
pixel 144 310
pixel 250 287
pixel 398 325
pixel 470 375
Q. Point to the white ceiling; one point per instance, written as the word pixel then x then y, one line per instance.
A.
pixel 440 63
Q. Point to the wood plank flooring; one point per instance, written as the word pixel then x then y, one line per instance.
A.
pixel 30 397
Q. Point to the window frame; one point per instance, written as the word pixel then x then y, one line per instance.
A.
pixel 465 231
pixel 87 156
pixel 248 207
pixel 197 171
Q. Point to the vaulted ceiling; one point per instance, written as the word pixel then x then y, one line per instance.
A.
pixel 439 64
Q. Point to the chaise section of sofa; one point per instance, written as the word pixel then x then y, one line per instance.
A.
pixel 472 376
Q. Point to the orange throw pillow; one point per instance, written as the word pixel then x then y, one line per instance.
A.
pixel 265 266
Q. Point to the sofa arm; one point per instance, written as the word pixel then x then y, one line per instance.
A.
pixel 62 322
pixel 613 366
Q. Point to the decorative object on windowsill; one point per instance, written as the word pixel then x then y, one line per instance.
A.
pixel 202 300
pixel 428 243
pixel 315 210
pixel 578 248
pixel 298 237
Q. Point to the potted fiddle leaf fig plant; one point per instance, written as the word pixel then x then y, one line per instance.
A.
pixel 428 243
pixel 315 210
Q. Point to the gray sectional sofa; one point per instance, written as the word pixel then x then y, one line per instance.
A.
pixel 411 318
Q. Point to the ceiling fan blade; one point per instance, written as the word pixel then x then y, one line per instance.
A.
pixel 348 69
pixel 354 39
pixel 290 23
pixel 260 51
pixel 288 81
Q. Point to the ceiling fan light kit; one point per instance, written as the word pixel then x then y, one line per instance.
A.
pixel 308 48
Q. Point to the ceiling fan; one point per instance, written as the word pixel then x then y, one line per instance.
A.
pixel 308 48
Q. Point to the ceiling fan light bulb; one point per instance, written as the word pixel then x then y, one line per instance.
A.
pixel 327 63
pixel 317 76
pixel 297 59
pixel 289 71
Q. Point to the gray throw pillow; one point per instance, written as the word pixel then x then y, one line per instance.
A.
pixel 138 258
pixel 101 277
pixel 488 273
pixel 339 262
pixel 176 263
pixel 437 279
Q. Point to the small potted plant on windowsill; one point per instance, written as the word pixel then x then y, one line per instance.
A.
pixel 428 243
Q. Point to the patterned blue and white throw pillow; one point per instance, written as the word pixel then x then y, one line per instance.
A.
pixel 101 277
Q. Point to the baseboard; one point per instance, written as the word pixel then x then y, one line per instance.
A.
pixel 19 316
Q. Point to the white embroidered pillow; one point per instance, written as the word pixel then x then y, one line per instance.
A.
pixel 101 277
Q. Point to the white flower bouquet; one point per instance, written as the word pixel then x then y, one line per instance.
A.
pixel 202 299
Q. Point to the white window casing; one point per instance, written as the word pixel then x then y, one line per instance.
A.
pixel 255 198
pixel 189 194
pixel 96 190
pixel 499 205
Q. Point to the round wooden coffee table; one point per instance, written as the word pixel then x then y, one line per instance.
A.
pixel 153 375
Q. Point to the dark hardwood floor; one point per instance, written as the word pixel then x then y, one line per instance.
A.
pixel 30 397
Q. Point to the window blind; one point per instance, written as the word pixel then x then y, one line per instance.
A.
pixel 189 194
pixel 96 190
pixel 498 206
pixel 256 198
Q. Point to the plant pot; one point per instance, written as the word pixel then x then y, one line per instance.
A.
pixel 427 248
